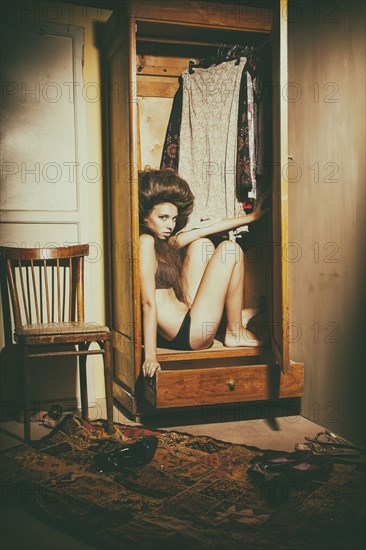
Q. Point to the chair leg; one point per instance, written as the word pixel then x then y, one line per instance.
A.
pixel 83 383
pixel 108 385
pixel 25 378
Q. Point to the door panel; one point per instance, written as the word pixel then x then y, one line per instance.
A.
pixel 121 103
pixel 279 245
pixel 45 181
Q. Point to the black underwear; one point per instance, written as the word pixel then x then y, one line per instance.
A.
pixel 181 340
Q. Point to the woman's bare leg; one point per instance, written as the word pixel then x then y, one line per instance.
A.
pixel 220 287
pixel 198 255
pixel 236 332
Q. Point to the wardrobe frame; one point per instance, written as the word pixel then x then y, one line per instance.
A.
pixel 187 378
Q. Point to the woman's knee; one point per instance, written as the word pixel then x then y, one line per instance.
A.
pixel 230 251
pixel 201 249
pixel 203 338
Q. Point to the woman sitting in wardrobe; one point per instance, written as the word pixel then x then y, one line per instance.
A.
pixel 185 281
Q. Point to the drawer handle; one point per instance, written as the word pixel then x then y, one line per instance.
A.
pixel 231 385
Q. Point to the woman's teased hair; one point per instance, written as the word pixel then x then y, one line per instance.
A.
pixel 157 186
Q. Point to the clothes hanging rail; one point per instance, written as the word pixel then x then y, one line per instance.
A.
pixel 185 42
pixel 226 53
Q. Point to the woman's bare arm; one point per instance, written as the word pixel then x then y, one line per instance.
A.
pixel 184 239
pixel 150 323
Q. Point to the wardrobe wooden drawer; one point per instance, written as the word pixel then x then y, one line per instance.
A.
pixel 189 387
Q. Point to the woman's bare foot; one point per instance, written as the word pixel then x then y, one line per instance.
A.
pixel 241 337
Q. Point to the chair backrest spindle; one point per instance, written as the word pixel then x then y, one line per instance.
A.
pixel 40 292
pixel 58 285
pixel 25 305
pixel 63 293
pixel 80 288
pixel 53 294
pixel 49 319
pixel 70 289
pixel 28 293
pixel 10 272
pixel 35 292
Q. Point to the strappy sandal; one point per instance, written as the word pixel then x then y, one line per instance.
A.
pixel 52 416
pixel 328 438
pixel 38 416
pixel 330 450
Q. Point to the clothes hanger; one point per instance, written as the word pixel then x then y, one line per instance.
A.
pixel 224 53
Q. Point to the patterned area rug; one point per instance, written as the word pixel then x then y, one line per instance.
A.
pixel 194 494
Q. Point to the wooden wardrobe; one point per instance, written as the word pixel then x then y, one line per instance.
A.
pixel 146 47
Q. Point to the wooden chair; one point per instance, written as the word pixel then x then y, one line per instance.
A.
pixel 47 293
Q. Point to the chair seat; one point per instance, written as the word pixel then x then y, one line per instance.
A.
pixel 70 329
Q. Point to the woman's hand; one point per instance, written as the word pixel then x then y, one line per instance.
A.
pixel 260 209
pixel 149 367
pixel 224 226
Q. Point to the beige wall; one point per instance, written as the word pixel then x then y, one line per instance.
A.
pixel 326 209
pixel 92 19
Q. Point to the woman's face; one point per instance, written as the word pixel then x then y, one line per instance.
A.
pixel 162 219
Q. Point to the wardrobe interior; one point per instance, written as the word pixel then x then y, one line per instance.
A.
pixel 163 52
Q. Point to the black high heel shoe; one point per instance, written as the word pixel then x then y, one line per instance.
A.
pixel 137 454
pixel 277 473
pixel 299 466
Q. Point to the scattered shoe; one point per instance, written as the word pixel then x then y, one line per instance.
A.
pixel 38 415
pixel 137 454
pixel 299 466
pixel 278 473
pixel 275 486
pixel 328 438
pixel 328 450
pixel 53 416
pixel 338 449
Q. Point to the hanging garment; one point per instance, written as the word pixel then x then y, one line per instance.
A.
pixel 208 141
pixel 243 173
pixel 170 156
pixel 248 139
pixel 250 135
